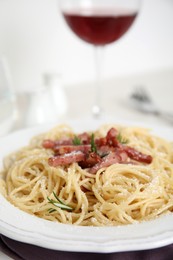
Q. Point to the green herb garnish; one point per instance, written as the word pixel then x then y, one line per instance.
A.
pixel 51 210
pixel 76 140
pixel 93 145
pixel 58 203
pixel 121 139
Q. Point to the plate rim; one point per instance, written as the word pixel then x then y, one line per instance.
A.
pixel 159 239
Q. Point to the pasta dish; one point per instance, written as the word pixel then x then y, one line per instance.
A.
pixel 115 175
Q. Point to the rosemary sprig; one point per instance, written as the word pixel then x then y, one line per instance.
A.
pixel 93 145
pixel 121 139
pixel 58 203
pixel 51 210
pixel 76 140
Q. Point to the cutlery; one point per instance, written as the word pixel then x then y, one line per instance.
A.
pixel 141 100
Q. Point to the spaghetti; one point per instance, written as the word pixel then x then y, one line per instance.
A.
pixel 135 183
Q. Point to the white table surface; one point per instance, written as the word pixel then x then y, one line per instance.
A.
pixel 115 100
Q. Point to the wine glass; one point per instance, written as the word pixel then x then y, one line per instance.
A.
pixel 99 22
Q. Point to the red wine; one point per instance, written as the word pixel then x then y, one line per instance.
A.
pixel 99 28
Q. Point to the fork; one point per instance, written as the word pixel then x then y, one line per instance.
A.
pixel 142 101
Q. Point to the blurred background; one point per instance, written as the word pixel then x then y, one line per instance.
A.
pixel 35 41
pixel 37 45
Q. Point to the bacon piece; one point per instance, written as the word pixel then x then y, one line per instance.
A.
pixel 112 158
pixel 105 150
pixel 101 141
pixel 138 156
pixel 111 137
pixel 109 151
pixel 124 157
pixel 109 140
pixel 90 160
pixel 68 158
pixel 84 138
pixel 48 144
pixel 63 149
pixel 68 141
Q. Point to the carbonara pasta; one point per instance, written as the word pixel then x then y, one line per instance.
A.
pixel 116 175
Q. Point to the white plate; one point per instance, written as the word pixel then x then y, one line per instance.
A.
pixel 21 226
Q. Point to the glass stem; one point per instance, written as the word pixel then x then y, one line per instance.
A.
pixel 97 107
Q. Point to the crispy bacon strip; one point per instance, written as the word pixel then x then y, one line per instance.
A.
pixel 90 160
pixel 63 149
pixel 138 156
pixel 111 158
pixel 109 140
pixel 84 138
pixel 50 144
pixel 109 151
pixel 111 137
pixel 66 159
